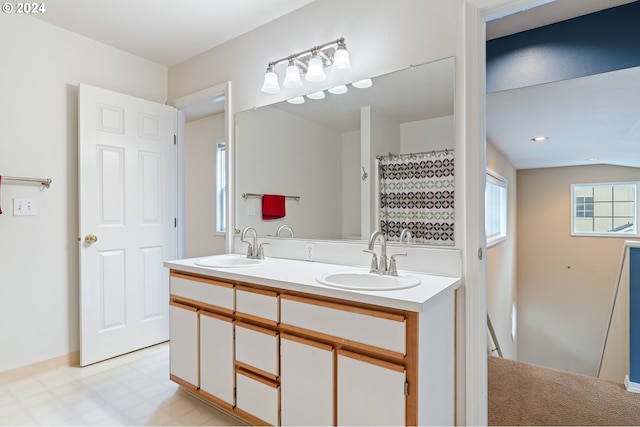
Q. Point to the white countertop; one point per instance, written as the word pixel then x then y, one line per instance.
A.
pixel 301 276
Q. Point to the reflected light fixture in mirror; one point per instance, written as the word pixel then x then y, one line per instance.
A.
pixel 311 62
pixel 338 90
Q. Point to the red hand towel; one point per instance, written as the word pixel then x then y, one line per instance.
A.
pixel 272 206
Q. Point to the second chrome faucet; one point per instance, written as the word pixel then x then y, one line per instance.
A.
pixel 254 250
pixel 384 266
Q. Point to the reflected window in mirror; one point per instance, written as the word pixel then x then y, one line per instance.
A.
pixel 495 202
pixel 221 187
pixel 604 209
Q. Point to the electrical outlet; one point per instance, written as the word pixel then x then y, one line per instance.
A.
pixel 24 207
pixel 310 252
pixel 251 210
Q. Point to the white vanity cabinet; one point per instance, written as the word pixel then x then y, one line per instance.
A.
pixel 278 356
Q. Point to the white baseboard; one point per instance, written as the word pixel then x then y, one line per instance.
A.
pixel 631 386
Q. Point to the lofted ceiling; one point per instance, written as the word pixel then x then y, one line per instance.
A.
pixel 590 117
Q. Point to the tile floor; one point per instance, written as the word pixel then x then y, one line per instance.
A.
pixel 129 390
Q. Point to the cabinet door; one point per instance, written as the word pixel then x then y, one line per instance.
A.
pixel 370 391
pixel 306 382
pixel 183 348
pixel 216 356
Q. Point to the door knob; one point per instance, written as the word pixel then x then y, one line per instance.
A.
pixel 90 238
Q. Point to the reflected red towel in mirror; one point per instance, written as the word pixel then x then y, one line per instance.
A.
pixel 273 206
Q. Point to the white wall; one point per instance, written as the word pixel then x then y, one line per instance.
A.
pixel 201 137
pixel 41 68
pixel 501 262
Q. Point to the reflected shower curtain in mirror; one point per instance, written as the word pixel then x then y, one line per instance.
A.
pixel 416 193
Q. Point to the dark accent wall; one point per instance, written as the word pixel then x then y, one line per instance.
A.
pixel 596 43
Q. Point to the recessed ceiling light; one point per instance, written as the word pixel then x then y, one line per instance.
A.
pixel 539 138
pixel 592 159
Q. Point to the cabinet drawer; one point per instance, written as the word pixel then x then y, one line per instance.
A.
pixel 256 304
pixel 257 349
pixel 370 327
pixel 206 291
pixel 258 397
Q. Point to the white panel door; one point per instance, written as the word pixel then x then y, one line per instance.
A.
pixel 306 382
pixel 127 194
pixel 370 391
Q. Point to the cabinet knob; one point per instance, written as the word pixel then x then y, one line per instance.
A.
pixel 90 238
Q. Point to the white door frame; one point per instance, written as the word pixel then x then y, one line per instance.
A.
pixel 193 99
pixel 472 404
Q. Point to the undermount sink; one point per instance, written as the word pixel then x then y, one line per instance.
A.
pixel 229 260
pixel 365 281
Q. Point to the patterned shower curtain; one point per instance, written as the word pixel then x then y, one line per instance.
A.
pixel 416 193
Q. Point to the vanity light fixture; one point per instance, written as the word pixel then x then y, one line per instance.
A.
pixel 311 62
pixel 292 77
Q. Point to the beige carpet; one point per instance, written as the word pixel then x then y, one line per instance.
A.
pixel 525 394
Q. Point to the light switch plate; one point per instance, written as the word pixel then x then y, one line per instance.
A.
pixel 24 207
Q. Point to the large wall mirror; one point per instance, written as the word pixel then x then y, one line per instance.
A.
pixel 322 154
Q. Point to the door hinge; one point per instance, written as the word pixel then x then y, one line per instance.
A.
pixel 175 139
pixel 480 254
pixel 175 222
pixel 406 388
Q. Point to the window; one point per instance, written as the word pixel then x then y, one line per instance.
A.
pixel 495 205
pixel 221 187
pixel 606 209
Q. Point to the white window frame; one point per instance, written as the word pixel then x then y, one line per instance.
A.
pixel 221 186
pixel 634 233
pixel 498 181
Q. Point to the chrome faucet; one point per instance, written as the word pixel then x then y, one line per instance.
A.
pixel 406 233
pixel 254 250
pixel 378 267
pixel 381 267
pixel 284 227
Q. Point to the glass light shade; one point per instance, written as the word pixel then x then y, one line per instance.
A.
pixel 270 84
pixel 292 77
pixel 296 100
pixel 315 73
pixel 316 95
pixel 362 84
pixel 338 90
pixel 341 60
